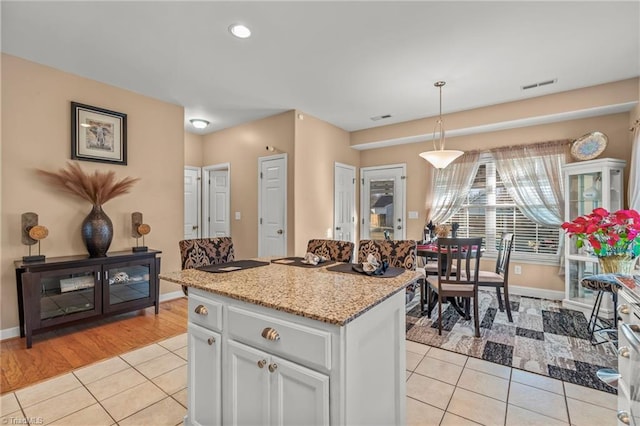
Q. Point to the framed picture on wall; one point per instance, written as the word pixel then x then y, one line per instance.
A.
pixel 98 134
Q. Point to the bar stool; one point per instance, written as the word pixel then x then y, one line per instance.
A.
pixel 602 283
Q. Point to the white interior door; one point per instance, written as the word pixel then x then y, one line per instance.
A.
pixel 216 199
pixel 272 205
pixel 344 206
pixel 383 202
pixel 192 218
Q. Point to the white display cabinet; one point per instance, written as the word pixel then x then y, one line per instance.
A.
pixel 588 185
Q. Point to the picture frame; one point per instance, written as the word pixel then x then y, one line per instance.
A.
pixel 98 134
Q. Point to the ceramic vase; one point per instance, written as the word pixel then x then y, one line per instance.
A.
pixel 97 232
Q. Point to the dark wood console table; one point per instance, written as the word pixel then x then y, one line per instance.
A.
pixel 61 290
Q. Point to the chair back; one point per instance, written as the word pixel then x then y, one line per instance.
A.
pixel 336 250
pixel 462 259
pixel 205 251
pixel 399 253
pixel 504 254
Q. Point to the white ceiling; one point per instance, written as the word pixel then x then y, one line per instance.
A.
pixel 342 62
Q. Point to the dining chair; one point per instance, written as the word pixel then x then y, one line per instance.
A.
pixel 500 277
pixel 336 250
pixel 399 254
pixel 199 252
pixel 459 255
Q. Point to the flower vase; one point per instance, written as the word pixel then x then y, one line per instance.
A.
pixel 617 264
pixel 97 232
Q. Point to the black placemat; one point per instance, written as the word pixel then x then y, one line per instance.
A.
pixel 236 265
pixel 347 268
pixel 297 261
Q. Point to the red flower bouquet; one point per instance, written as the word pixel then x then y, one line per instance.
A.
pixel 608 234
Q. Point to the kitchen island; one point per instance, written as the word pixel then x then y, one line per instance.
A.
pixel 280 344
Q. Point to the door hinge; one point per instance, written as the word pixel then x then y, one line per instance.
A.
pixel 260 175
pixel 363 220
pixel 260 221
pixel 198 178
pixel 354 180
pixel 403 177
pixel 363 181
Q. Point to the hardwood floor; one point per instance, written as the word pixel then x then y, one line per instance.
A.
pixel 57 352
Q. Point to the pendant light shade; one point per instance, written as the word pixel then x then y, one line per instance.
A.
pixel 440 157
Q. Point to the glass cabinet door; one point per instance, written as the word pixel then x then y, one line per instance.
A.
pixel 64 293
pixel 128 283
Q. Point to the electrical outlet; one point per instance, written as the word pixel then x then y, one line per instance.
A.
pixel 517 269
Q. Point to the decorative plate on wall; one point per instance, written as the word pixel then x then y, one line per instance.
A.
pixel 589 146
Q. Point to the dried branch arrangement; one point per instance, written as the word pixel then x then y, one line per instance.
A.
pixel 97 188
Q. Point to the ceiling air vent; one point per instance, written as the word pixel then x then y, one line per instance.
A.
pixel 380 117
pixel 540 84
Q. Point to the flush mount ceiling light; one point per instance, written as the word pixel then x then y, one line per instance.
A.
pixel 199 123
pixel 240 31
pixel 440 157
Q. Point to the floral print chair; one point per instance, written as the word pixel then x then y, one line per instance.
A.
pixel 399 254
pixel 205 251
pixel 336 250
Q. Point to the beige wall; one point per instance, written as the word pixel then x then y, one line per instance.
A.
pixel 193 149
pixel 319 145
pixel 36 134
pixel 241 146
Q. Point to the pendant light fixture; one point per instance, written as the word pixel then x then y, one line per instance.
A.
pixel 440 157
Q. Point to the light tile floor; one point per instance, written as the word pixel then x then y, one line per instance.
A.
pixel 148 387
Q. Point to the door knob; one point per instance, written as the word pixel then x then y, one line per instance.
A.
pixel 399 227
pixel 279 231
pixel 273 367
pixel 211 340
pixel 262 363
pixel 194 227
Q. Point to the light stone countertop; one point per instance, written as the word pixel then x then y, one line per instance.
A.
pixel 327 296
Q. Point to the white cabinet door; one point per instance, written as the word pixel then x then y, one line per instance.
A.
pixel 267 390
pixel 247 387
pixel 204 397
pixel 299 396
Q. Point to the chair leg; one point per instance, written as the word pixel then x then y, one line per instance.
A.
pixel 439 315
pixel 422 295
pixel 476 320
pixel 429 300
pixel 500 304
pixel 506 302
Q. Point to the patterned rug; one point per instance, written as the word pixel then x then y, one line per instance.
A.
pixel 544 338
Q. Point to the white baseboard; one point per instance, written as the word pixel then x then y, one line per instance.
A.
pixel 536 292
pixel 15 331
pixel 170 296
pixel 9 333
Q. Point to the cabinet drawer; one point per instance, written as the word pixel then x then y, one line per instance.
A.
pixel 305 345
pixel 205 312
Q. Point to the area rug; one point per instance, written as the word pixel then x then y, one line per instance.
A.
pixel 544 338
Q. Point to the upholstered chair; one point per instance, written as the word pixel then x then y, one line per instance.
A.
pixel 336 250
pixel 399 254
pixel 205 251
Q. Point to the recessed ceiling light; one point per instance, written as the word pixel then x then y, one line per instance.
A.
pixel 199 123
pixel 240 31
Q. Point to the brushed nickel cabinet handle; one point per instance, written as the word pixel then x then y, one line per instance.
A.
pixel 273 367
pixel 623 351
pixel 262 363
pixel 211 340
pixel 623 416
pixel 270 334
pixel 201 310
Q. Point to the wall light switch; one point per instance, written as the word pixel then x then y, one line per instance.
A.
pixel 413 215
pixel 237 215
